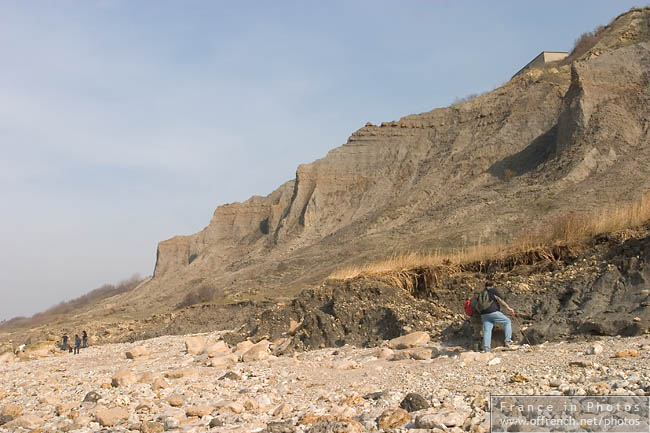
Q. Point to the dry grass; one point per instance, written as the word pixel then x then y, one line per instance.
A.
pixel 536 245
pixel 586 41
pixel 578 227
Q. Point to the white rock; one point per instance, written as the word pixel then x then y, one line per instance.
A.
pixel 414 339
pixel 218 348
pixel 195 345
pixel 595 349
pixel 224 360
pixel 494 361
pixel 257 352
pixel 138 352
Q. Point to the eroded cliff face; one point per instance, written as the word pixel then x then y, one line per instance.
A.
pixel 565 138
pixel 232 225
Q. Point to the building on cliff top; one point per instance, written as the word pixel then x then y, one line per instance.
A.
pixel 543 58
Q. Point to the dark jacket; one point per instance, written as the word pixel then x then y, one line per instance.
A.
pixel 494 306
pixel 77 341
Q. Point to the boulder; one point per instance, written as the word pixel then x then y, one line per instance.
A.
pixel 494 361
pixel 280 345
pixel 64 408
pixel 230 375
pixel 92 397
pixel 138 352
pixel 442 419
pixel 243 347
pixel 393 418
pixel 414 339
pixel 257 352
pixel 383 353
pixel 627 353
pixel 28 422
pixel 281 410
pixel 146 377
pixel 83 420
pixel 175 400
pixel 427 421
pixel 195 345
pixel 124 378
pixel 12 410
pixel 170 423
pixel 280 427
pixel 414 402
pixel 354 399
pixel 347 365
pixel 231 407
pixel 145 407
pixel 336 426
pixel 475 357
pixel 420 353
pixel 218 348
pixel 224 361
pixel 151 427
pixel 182 373
pixel 200 410
pixel 110 417
pixel 400 355
pixel 159 383
pixel 377 395
pixel 216 422
pixel 40 349
pixel 519 377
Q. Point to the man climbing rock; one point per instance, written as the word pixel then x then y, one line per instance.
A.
pixel 488 304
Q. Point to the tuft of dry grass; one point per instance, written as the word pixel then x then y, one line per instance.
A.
pixel 537 244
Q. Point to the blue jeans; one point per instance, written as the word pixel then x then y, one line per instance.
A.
pixel 488 323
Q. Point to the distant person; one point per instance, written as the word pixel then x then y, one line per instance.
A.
pixel 492 314
pixel 64 343
pixel 77 343
pixel 84 339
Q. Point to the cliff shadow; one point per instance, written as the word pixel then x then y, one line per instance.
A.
pixel 540 150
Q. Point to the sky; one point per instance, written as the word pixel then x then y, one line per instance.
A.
pixel 125 123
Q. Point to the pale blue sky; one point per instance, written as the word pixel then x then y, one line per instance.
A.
pixel 123 123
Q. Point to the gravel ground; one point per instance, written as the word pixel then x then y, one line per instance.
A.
pixel 344 389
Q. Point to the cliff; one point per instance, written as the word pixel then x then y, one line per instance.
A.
pixel 569 137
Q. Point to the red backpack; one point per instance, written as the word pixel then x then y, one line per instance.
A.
pixel 468 307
